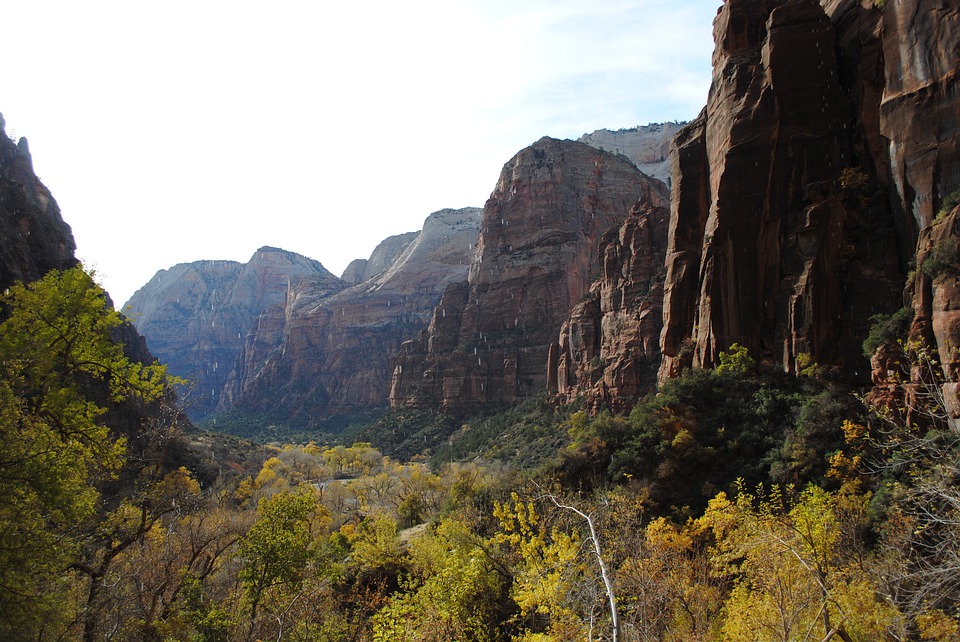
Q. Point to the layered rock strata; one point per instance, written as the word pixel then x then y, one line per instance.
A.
pixel 322 354
pixel 196 316
pixel 537 254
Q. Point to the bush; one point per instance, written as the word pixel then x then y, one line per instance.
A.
pixel 950 201
pixel 887 328
pixel 942 260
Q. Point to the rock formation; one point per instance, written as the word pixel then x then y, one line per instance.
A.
pixel 383 256
pixel 647 146
pixel 780 236
pixel 196 316
pixel 33 235
pixel 936 304
pixel 537 254
pixel 608 350
pixel 324 354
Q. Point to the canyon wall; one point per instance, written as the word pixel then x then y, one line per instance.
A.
pixel 196 316
pixel 781 238
pixel 537 254
pixel 321 354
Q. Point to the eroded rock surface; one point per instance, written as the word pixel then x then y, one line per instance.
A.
pixel 608 351
pixel 648 146
pixel 781 239
pixel 196 316
pixel 321 354
pixel 537 254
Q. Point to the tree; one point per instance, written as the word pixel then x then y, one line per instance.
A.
pixel 279 548
pixel 793 568
pixel 59 371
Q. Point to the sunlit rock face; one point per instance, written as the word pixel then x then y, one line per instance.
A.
pixel 383 256
pixel 321 354
pixel 648 146
pixel 196 316
pixel 537 254
pixel 34 238
pixel 781 237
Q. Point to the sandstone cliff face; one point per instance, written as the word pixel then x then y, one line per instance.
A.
pixel 537 254
pixel 608 349
pixel 780 236
pixel 196 316
pixel 647 146
pixel 320 355
pixel 920 108
pixel 34 238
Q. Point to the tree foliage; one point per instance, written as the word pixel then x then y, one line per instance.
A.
pixel 60 369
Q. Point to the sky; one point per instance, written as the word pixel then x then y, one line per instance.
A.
pixel 179 131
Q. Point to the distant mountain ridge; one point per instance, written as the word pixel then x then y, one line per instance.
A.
pixel 647 146
pixel 196 316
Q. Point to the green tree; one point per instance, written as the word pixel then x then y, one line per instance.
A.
pixel 280 547
pixel 60 369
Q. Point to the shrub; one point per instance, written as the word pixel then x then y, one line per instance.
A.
pixel 949 202
pixel 887 328
pixel 942 260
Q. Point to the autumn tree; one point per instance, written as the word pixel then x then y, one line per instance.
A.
pixel 279 550
pixel 60 369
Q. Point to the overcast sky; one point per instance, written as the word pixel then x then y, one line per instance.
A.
pixel 177 131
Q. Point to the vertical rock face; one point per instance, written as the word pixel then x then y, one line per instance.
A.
pixel 537 254
pixel 920 109
pixel 608 349
pixel 779 239
pixel 34 238
pixel 319 355
pixel 936 303
pixel 196 316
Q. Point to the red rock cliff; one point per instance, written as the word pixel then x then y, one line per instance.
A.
pixel 781 236
pixel 537 254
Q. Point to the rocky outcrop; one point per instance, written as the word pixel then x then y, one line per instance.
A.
pixel 537 254
pixel 920 108
pixel 383 256
pixel 608 351
pixel 197 315
pixel 34 238
pixel 781 238
pixel 321 355
pixel 647 146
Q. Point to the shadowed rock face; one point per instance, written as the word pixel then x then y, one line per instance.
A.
pixel 780 236
pixel 321 354
pixel 34 238
pixel 537 254
pixel 196 316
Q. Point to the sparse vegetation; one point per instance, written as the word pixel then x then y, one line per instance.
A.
pixel 950 201
pixel 943 259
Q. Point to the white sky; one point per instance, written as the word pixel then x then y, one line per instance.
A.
pixel 177 131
